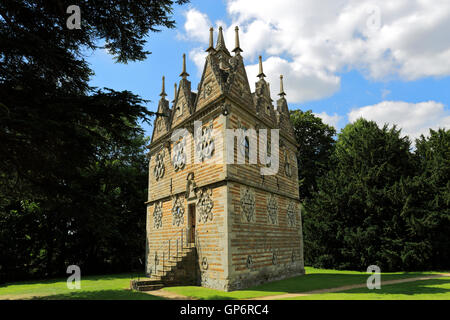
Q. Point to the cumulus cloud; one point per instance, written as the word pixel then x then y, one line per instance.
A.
pixel 196 26
pixel 413 118
pixel 311 41
pixel 300 83
pixel 330 120
pixel 198 55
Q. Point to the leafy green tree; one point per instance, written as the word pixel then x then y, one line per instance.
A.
pixel 354 220
pixel 427 200
pixel 316 143
pixel 57 135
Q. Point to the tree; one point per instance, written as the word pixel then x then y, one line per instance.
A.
pixel 56 131
pixel 354 220
pixel 427 200
pixel 316 143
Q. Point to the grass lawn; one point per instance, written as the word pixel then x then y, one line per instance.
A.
pixel 433 289
pixel 313 280
pixel 113 287
pixel 105 287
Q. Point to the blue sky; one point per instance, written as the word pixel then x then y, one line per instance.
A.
pixel 386 63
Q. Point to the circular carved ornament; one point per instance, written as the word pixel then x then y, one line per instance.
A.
pixel 205 263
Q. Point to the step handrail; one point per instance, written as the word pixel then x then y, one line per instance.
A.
pixel 179 234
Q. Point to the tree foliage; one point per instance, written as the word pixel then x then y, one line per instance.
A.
pixel 377 203
pixel 316 143
pixel 72 165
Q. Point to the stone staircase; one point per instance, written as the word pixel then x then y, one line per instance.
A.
pixel 181 269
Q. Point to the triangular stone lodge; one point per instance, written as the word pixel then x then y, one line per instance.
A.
pixel 219 225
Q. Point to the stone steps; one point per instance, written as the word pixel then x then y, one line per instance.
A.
pixel 164 276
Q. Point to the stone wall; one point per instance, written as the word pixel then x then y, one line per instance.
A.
pixel 267 246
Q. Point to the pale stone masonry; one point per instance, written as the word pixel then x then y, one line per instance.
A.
pixel 245 227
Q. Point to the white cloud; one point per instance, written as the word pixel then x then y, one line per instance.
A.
pixel 300 83
pixel 311 41
pixel 198 55
pixel 330 120
pixel 413 118
pixel 196 26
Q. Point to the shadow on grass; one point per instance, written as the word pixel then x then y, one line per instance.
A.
pixel 316 281
pixel 88 277
pixel 101 295
pixel 300 284
pixel 409 288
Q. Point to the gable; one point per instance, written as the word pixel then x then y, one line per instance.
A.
pixel 238 85
pixel 161 125
pixel 209 87
pixel 184 106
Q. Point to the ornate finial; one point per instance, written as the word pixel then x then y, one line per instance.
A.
pixel 163 92
pixel 237 50
pixel 211 41
pixel 261 74
pixel 175 92
pixel 281 94
pixel 220 41
pixel 183 73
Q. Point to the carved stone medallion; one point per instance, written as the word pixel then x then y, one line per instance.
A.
pixel 178 211
pixel 158 170
pixel 204 205
pixel 204 144
pixel 207 91
pixel 248 205
pixel 179 155
pixel 157 215
pixel 291 213
pixel 272 209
